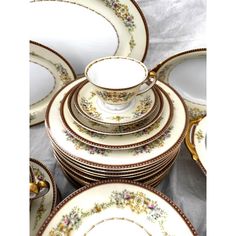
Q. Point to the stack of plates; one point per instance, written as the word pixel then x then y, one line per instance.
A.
pixel 117 207
pixel 140 143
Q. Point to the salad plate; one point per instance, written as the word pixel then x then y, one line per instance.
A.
pixel 148 154
pixel 89 105
pixel 117 141
pixel 40 208
pixel 186 72
pixel 117 207
pixel 49 72
pixel 90 30
pixel 197 143
pixel 108 129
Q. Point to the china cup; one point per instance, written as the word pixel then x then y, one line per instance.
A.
pixel 117 80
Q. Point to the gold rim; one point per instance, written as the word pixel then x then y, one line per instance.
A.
pixel 190 144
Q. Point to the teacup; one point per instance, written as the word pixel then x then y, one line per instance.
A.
pixel 117 80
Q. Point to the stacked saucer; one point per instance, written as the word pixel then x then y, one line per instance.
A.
pixel 89 148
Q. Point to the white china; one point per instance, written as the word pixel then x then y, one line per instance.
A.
pixel 90 30
pixel 87 103
pixel 120 159
pixel 118 80
pixel 186 72
pixel 48 73
pixel 117 207
pixel 41 208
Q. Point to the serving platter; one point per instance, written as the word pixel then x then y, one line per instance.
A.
pixel 197 143
pixel 90 30
pixel 117 142
pixel 111 159
pixel 40 208
pixel 89 105
pixel 49 72
pixel 186 72
pixel 117 207
pixel 108 129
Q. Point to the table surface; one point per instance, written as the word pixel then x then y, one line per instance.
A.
pixel 174 26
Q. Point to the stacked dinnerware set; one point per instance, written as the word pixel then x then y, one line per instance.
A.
pixel 115 128
pixel 101 131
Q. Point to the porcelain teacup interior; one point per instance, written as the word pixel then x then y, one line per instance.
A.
pixel 117 80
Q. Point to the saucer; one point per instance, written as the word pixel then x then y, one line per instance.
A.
pixel 108 129
pixel 90 106
pixel 122 141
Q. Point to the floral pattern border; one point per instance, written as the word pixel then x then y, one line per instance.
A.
pixel 122 12
pixel 137 202
pixel 64 76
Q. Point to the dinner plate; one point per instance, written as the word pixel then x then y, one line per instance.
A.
pixel 197 143
pixel 118 159
pixel 147 178
pixel 117 207
pixel 40 208
pixel 90 30
pixel 49 72
pixel 108 129
pixel 110 173
pixel 94 173
pixel 77 181
pixel 111 170
pixel 90 106
pixel 186 72
pixel 118 142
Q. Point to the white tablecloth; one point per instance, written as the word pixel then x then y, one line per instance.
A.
pixel 174 26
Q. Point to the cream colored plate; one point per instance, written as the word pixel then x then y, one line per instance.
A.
pixel 42 207
pixel 117 208
pixel 117 159
pixel 114 129
pixel 49 72
pixel 84 30
pixel 90 106
pixel 78 169
pixel 199 141
pixel 122 141
pixel 186 72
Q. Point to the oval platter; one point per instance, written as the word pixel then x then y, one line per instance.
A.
pixel 49 72
pixel 121 29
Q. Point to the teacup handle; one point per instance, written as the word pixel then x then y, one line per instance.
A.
pixel 152 77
